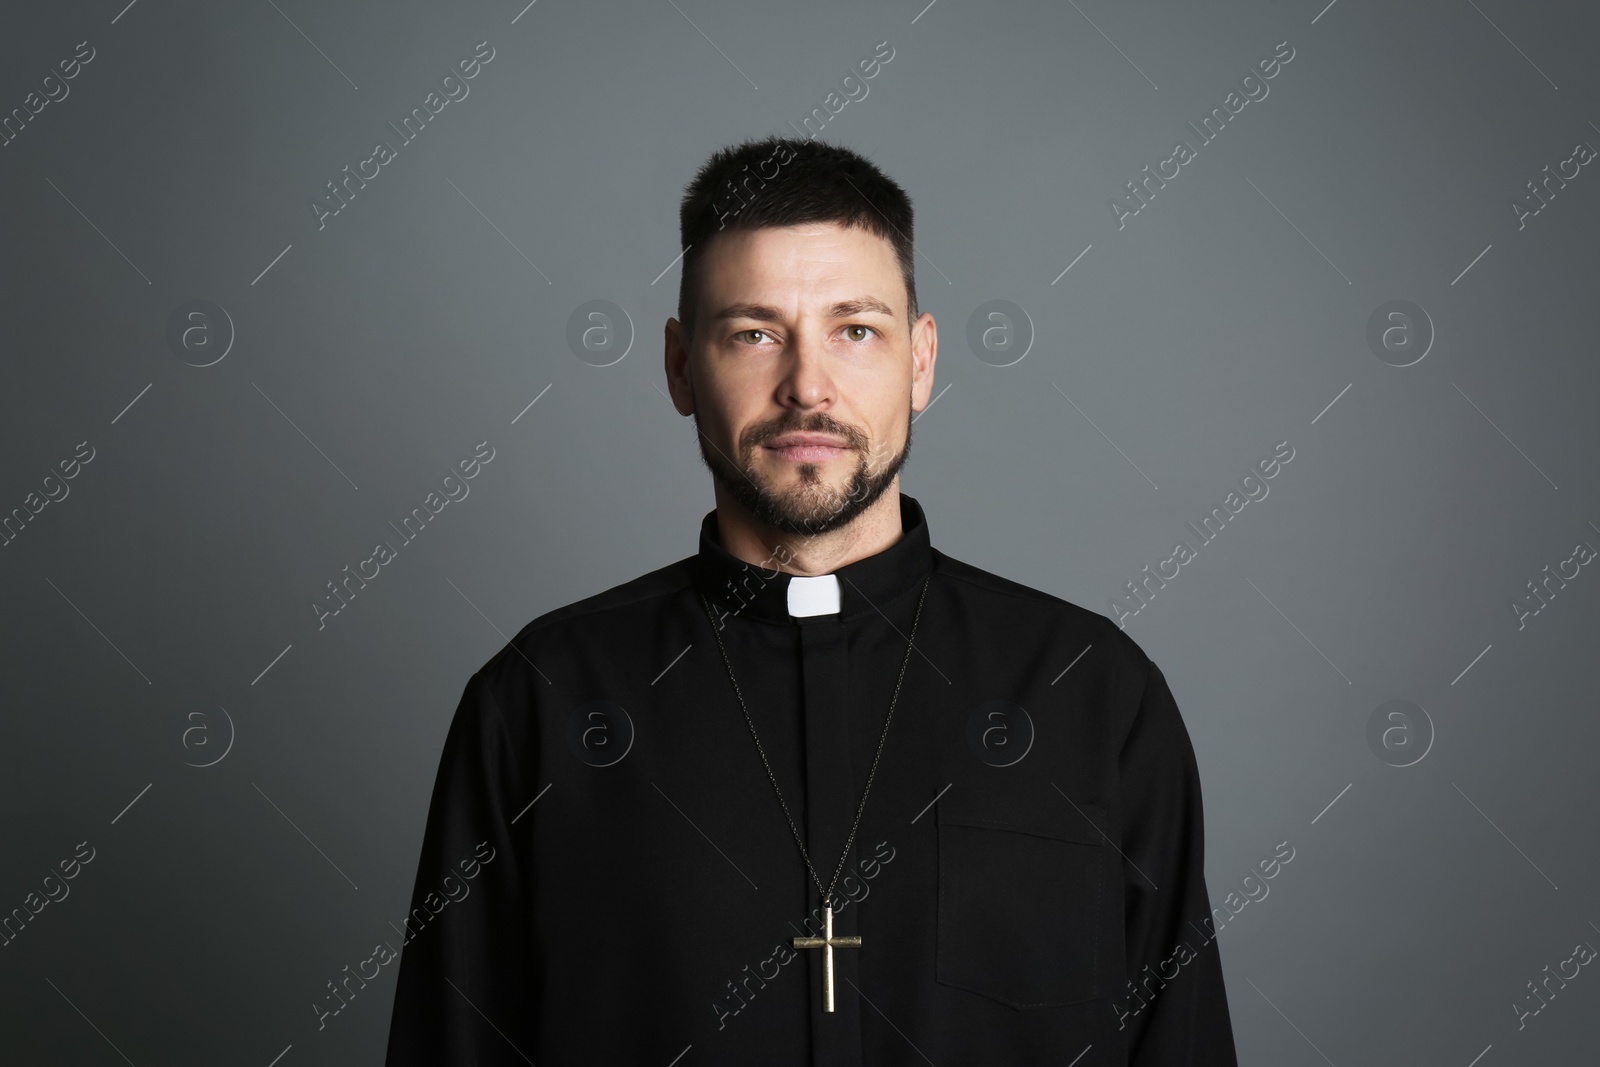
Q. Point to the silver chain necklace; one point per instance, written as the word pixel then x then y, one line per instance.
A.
pixel 827 942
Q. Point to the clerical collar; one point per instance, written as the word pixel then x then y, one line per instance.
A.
pixel 768 594
pixel 813 595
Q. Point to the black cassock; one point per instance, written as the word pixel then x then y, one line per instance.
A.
pixel 607 876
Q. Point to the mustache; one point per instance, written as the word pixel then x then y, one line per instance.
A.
pixel 762 434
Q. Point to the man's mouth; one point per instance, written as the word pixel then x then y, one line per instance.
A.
pixel 807 447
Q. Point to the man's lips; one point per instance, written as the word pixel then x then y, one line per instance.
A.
pixel 807 448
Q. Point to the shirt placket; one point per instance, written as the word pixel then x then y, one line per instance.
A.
pixel 832 795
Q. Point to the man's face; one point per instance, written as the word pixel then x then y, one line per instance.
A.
pixel 803 372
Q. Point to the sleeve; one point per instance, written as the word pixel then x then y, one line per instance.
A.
pixel 1176 1011
pixel 467 976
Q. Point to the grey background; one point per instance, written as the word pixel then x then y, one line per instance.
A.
pixel 176 578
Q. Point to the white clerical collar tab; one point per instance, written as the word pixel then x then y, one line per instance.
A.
pixel 817 595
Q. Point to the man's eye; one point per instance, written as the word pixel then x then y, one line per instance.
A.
pixel 869 329
pixel 748 333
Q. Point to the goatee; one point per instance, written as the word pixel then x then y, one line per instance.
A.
pixel 813 507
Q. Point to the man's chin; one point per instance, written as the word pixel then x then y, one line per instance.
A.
pixel 806 507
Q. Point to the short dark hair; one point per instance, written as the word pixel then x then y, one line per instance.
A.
pixel 782 181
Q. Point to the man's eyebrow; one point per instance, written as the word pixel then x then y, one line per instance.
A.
pixel 843 309
pixel 859 306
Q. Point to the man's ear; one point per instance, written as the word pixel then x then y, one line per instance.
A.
pixel 677 344
pixel 924 356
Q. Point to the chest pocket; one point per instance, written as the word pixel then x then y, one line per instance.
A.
pixel 1022 903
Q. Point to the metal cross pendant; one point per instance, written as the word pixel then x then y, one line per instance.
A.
pixel 827 943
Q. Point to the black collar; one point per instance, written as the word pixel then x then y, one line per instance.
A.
pixel 739 589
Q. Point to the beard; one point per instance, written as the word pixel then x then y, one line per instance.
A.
pixel 812 506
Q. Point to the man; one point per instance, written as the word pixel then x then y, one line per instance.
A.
pixel 818 793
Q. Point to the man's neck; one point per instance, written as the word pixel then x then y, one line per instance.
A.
pixel 763 546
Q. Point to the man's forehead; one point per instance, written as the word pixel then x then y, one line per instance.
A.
pixel 843 271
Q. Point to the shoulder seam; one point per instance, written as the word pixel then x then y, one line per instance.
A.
pixel 480 679
pixel 1037 595
pixel 547 618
